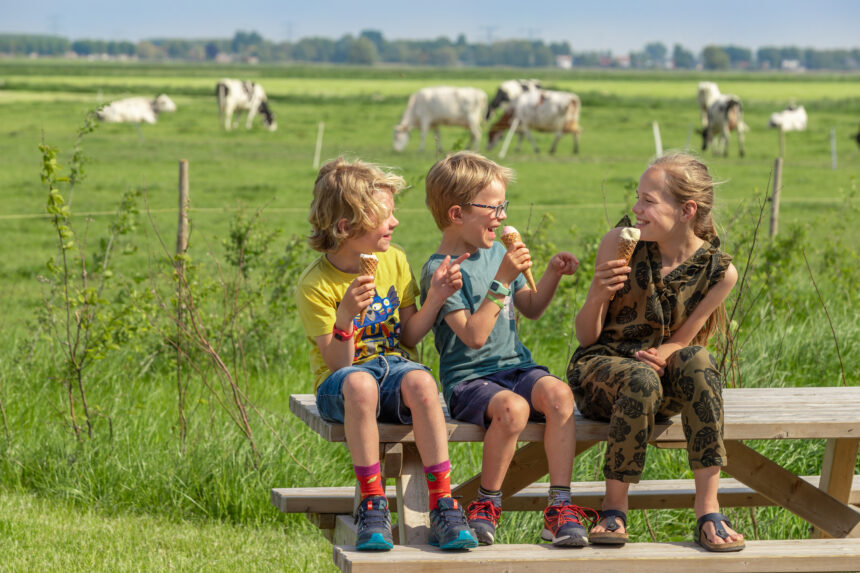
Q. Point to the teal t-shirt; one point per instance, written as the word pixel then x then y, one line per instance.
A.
pixel 503 349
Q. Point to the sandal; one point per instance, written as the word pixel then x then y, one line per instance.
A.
pixel 717 519
pixel 611 536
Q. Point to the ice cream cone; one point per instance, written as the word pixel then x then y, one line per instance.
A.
pixel 627 241
pixel 510 236
pixel 368 267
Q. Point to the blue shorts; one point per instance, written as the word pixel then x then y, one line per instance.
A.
pixel 470 399
pixel 388 371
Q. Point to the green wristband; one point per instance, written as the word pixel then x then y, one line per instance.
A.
pixel 495 301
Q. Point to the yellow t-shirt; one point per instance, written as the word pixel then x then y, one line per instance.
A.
pixel 322 287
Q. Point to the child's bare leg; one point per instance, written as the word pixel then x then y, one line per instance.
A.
pixel 420 394
pixel 707 483
pixel 360 396
pixel 508 414
pixel 554 399
pixel 615 498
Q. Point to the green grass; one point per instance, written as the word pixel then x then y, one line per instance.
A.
pixel 130 498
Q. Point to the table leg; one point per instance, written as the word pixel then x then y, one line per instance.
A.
pixel 837 472
pixel 413 521
pixel 528 466
pixel 789 491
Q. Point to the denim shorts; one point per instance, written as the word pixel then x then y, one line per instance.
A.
pixel 388 371
pixel 470 399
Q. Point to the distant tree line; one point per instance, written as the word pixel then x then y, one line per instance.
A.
pixel 370 47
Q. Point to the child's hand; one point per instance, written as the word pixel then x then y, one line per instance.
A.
pixel 610 276
pixel 652 359
pixel 358 296
pixel 447 278
pixel 563 263
pixel 515 262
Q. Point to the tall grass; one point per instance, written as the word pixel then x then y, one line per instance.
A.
pixel 133 482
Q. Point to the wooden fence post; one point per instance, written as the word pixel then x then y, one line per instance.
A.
pixel 774 198
pixel 318 148
pixel 658 142
pixel 181 248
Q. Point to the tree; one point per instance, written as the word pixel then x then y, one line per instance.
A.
pixel 211 50
pixel 656 53
pixel 738 57
pixel 374 36
pixel 769 57
pixel 714 58
pixel 362 52
pixel 682 58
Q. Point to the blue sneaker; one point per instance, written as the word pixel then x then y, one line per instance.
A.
pixel 448 526
pixel 374 524
pixel 483 519
pixel 563 525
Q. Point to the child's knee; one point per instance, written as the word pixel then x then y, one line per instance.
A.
pixel 509 411
pixel 419 385
pixel 553 398
pixel 644 385
pixel 360 388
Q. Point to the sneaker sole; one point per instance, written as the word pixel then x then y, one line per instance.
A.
pixel 376 543
pixel 566 541
pixel 463 541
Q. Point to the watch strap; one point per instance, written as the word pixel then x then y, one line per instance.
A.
pixel 499 288
pixel 343 335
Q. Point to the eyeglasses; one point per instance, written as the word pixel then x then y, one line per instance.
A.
pixel 499 209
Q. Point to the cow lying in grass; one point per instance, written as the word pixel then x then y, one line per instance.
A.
pixel 135 110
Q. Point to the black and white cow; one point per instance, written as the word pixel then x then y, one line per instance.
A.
pixel 236 95
pixel 707 94
pixel 724 116
pixel 135 109
pixel 540 110
pixel 509 91
pixel 792 118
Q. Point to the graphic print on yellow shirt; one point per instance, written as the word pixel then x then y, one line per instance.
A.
pixel 321 289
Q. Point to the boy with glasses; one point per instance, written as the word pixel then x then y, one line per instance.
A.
pixel 488 376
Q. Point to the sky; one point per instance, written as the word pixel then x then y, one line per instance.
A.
pixel 619 26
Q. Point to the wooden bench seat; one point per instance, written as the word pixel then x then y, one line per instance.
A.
pixel 647 494
pixel 788 555
pixel 831 414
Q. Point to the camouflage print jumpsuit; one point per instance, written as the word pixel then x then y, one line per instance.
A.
pixel 609 384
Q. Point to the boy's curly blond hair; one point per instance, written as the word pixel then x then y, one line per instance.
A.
pixel 456 179
pixel 345 190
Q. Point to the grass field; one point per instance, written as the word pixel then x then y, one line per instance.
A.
pixel 132 498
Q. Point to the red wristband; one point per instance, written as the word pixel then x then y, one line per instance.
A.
pixel 343 335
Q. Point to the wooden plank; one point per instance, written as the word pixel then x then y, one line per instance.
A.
pixel 837 471
pixel 789 491
pixel 787 555
pixel 413 520
pixel 392 460
pixel 792 413
pixel 647 494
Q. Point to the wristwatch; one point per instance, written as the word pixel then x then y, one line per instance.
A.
pixel 498 288
pixel 342 335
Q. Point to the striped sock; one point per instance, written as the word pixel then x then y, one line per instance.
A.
pixel 559 495
pixel 370 480
pixel 438 481
pixel 494 496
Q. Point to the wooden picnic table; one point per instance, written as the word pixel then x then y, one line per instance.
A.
pixel 829 413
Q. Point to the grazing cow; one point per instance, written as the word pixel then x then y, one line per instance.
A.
pixel 724 116
pixel 431 107
pixel 541 110
pixel 708 94
pixel 236 95
pixel 135 109
pixel 857 138
pixel 792 118
pixel 509 91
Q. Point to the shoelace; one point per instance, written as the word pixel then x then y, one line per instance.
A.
pixel 485 509
pixel 372 517
pixel 570 512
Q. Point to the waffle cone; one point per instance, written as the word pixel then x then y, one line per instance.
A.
pixel 625 251
pixel 368 267
pixel 508 240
